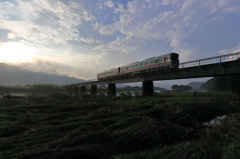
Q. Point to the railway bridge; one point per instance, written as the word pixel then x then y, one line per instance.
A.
pixel 209 67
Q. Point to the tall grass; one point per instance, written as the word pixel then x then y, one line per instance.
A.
pixel 165 126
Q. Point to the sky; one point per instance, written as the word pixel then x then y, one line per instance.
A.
pixel 80 38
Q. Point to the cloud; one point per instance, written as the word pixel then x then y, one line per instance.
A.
pixel 88 40
pixel 44 21
pixel 174 25
pixel 109 3
pixel 135 6
pixel 167 2
pixel 148 1
pixel 37 64
pixel 52 67
pixel 231 50
pixel 119 9
pixel 11 36
pixel 121 45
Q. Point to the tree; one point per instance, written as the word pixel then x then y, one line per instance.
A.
pixel 181 88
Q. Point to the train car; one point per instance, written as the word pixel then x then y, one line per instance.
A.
pixel 108 73
pixel 153 64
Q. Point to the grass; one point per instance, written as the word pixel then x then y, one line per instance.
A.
pixel 168 125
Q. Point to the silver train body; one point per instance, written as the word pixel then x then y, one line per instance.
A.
pixel 160 63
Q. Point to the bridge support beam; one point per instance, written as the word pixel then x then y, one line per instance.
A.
pixel 147 88
pixel 75 90
pixel 112 89
pixel 83 89
pixel 93 89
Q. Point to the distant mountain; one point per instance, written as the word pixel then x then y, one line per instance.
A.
pixel 223 83
pixel 12 75
pixel 208 85
pixel 161 85
pixel 195 85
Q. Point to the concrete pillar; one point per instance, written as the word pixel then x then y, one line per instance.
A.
pixel 83 89
pixel 75 90
pixel 112 89
pixel 93 89
pixel 71 91
pixel 147 88
pixel 67 90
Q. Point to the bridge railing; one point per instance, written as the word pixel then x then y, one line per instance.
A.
pixel 218 59
pixel 91 80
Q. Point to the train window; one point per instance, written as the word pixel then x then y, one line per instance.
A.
pixel 165 59
pixel 141 64
pixel 126 68
pixel 132 66
pixel 137 65
pixel 155 61
pixel 146 63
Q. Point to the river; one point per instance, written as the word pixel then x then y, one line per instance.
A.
pixel 133 93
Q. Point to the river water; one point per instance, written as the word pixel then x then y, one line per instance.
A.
pixel 133 93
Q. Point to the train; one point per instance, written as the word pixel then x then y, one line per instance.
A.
pixel 165 62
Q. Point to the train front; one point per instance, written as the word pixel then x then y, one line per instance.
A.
pixel 174 58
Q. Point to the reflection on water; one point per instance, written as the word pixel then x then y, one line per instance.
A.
pixel 133 93
pixel 215 121
pixel 25 94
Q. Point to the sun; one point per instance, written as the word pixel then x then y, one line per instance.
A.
pixel 16 52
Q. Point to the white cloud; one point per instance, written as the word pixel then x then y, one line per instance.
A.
pixel 135 6
pixel 174 25
pixel 120 9
pixel 148 1
pixel 121 25
pixel 167 2
pixel 43 21
pixel 109 3
pixel 122 45
pixel 11 36
pixel 70 65
pixel 88 40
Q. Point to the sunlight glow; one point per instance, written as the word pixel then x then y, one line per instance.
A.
pixel 16 52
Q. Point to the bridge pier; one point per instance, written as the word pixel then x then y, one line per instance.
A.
pixel 83 89
pixel 147 88
pixel 112 89
pixel 70 89
pixel 75 90
pixel 66 88
pixel 93 89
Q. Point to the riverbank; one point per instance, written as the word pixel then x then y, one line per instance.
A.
pixel 169 125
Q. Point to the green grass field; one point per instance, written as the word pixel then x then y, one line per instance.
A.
pixel 168 125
